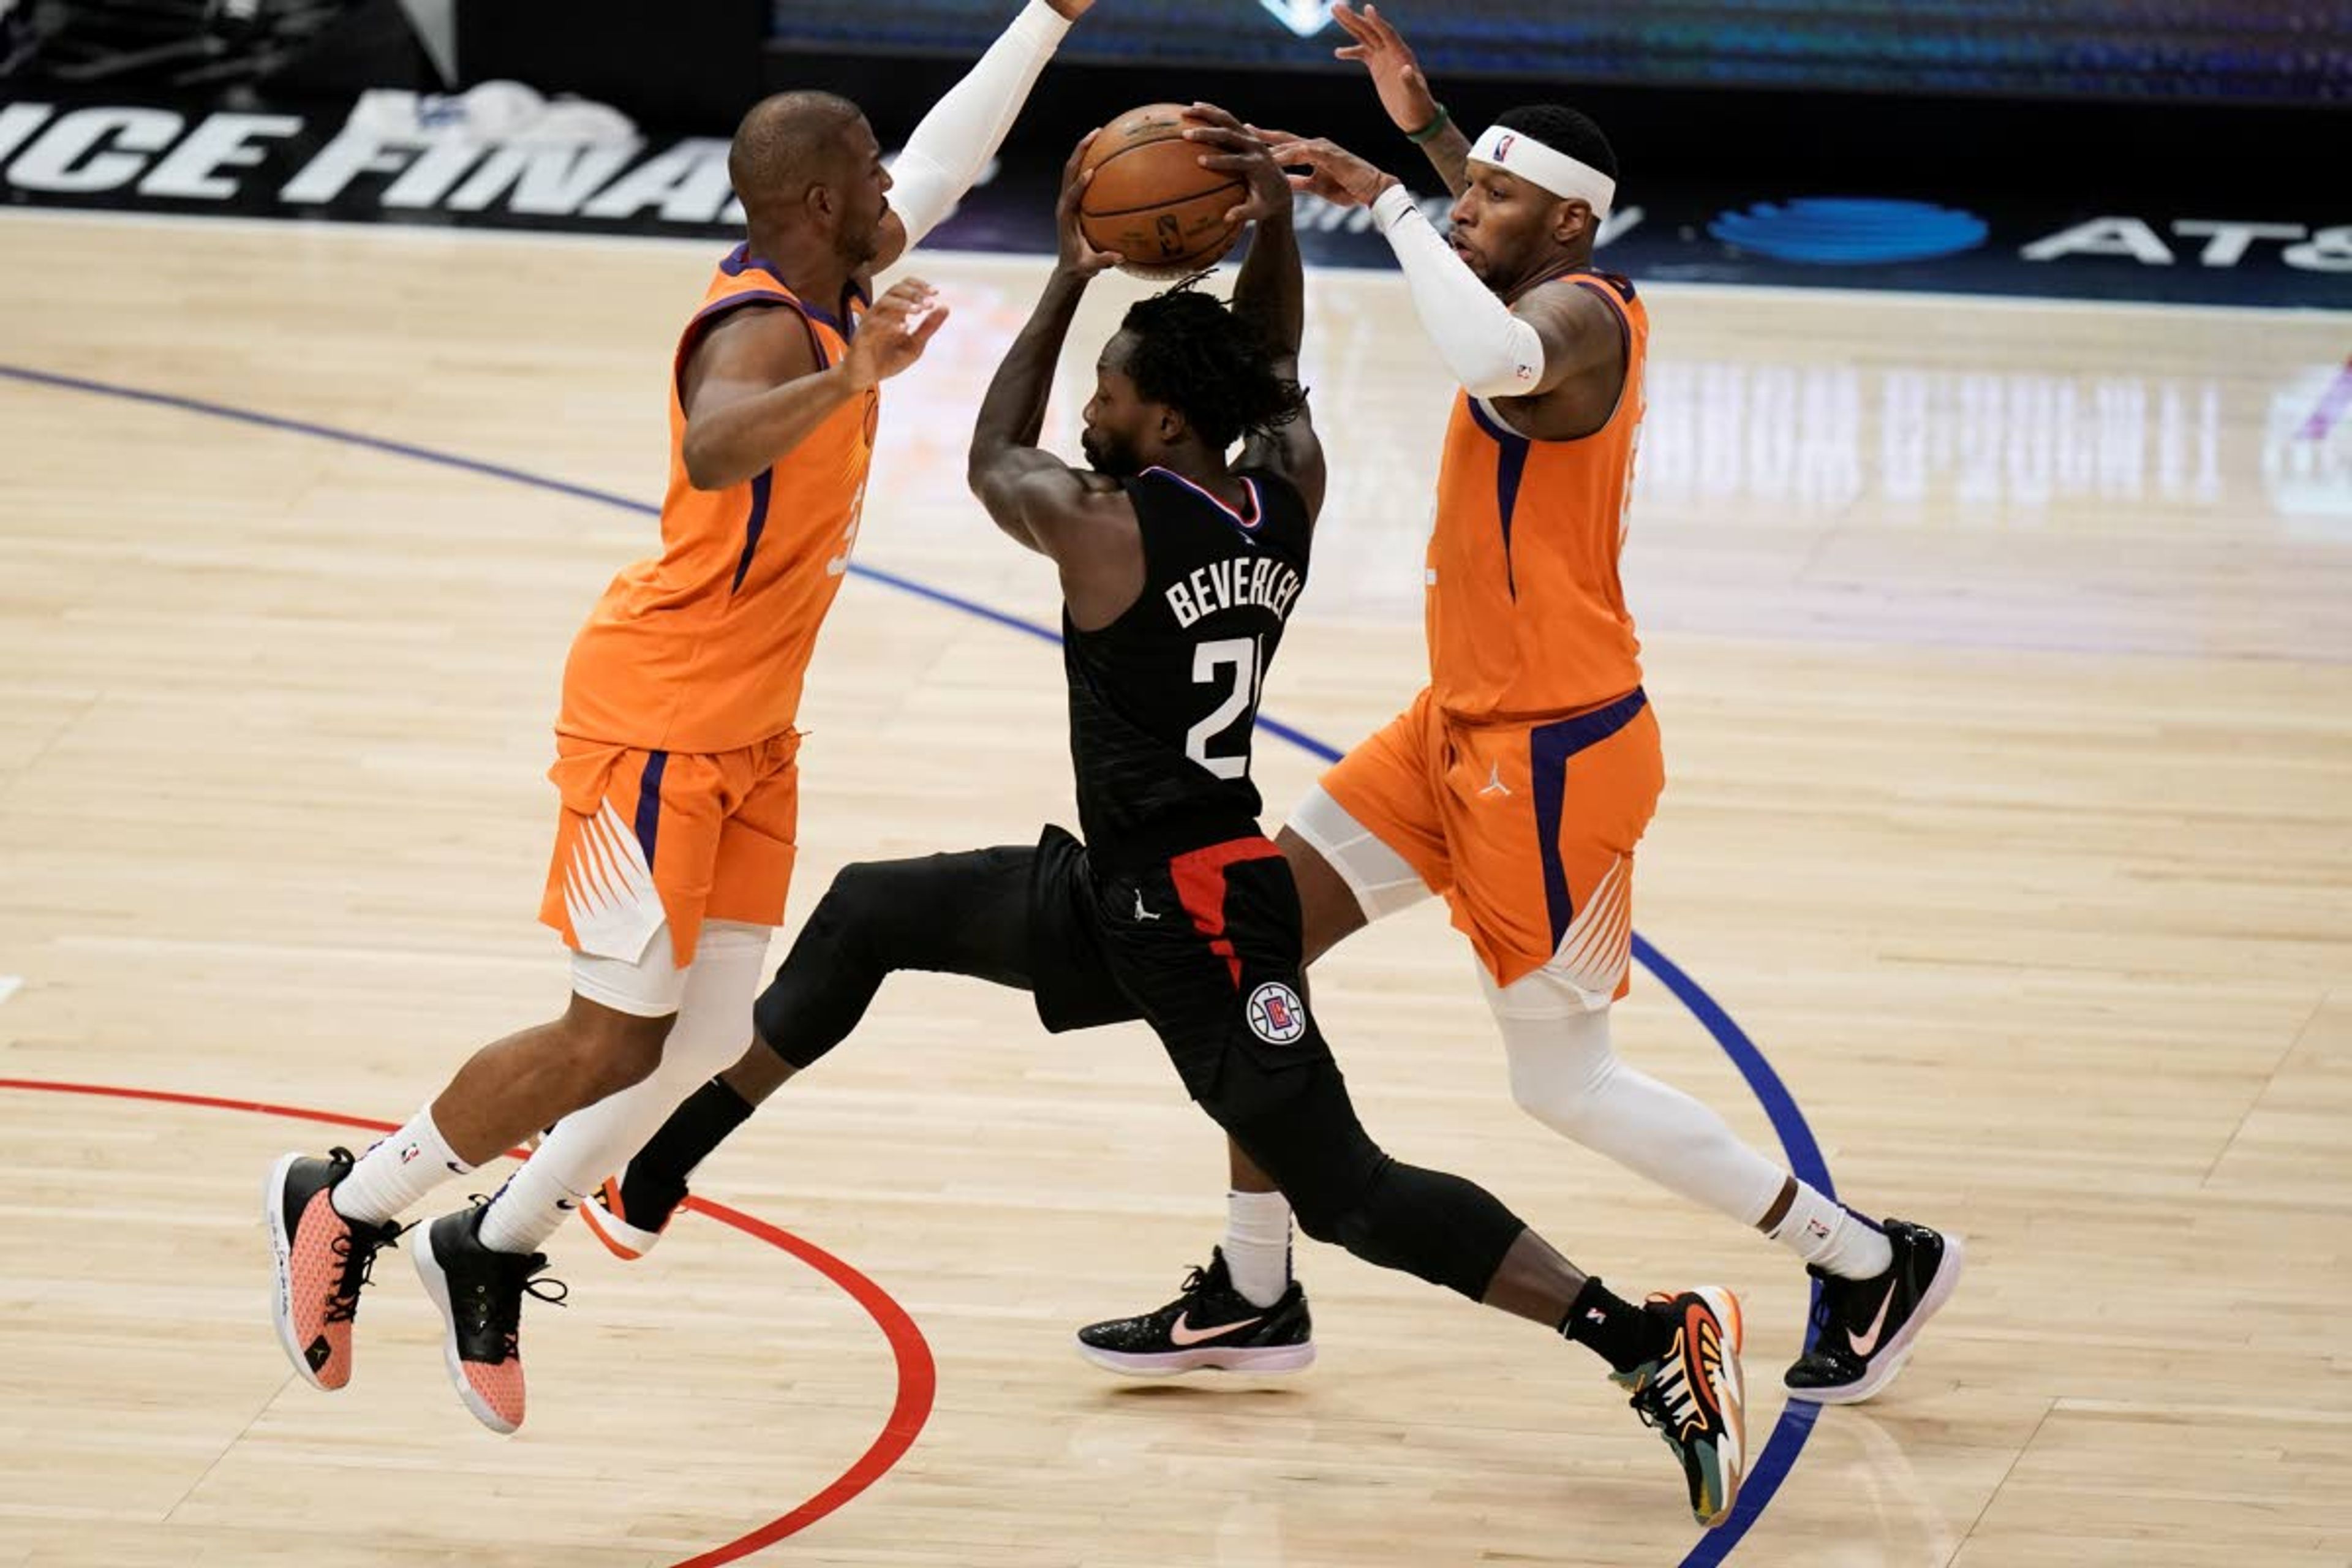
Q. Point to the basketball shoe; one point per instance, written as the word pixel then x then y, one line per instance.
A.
pixel 323 1261
pixel 1212 1327
pixel 480 1295
pixel 1863 1329
pixel 1694 1395
pixel 613 1211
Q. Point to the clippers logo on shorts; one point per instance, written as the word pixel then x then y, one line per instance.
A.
pixel 1276 1016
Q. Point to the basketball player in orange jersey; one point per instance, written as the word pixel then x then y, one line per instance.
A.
pixel 674 745
pixel 1516 785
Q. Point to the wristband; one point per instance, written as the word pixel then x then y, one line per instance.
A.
pixel 1429 133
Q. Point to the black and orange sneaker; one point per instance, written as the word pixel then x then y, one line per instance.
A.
pixel 629 1212
pixel 479 1293
pixel 1694 1397
pixel 1863 1329
pixel 1212 1327
pixel 322 1262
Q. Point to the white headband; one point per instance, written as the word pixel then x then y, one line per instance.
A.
pixel 1558 172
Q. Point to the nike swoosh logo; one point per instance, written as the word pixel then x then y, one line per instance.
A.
pixel 1864 1343
pixel 1182 1332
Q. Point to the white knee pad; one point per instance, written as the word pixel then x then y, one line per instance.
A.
pixel 1382 880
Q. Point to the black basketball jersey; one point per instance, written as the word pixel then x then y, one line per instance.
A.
pixel 1164 701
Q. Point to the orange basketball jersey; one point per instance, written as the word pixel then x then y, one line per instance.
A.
pixel 704 646
pixel 1527 617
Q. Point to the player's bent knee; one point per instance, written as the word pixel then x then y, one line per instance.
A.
pixel 612 1051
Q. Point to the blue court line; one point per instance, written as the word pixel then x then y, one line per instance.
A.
pixel 1767 1469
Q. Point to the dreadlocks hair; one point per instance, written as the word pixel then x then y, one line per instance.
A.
pixel 1208 363
pixel 1563 131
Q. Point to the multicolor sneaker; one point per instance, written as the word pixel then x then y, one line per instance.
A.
pixel 323 1261
pixel 1212 1327
pixel 628 1216
pixel 1863 1329
pixel 480 1295
pixel 1694 1397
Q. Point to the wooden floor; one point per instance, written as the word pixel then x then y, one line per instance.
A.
pixel 2005 662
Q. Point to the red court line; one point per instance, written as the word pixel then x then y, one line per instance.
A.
pixel 918 1374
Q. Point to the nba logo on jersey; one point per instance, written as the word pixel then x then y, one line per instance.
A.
pixel 1275 1014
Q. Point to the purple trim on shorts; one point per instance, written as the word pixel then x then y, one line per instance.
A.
pixel 649 804
pixel 1549 746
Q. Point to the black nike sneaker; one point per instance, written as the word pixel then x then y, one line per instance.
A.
pixel 1863 1329
pixel 1212 1327
pixel 480 1295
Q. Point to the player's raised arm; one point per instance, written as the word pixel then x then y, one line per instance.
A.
pixel 1033 496
pixel 954 142
pixel 1544 339
pixel 1271 293
pixel 752 389
pixel 1404 92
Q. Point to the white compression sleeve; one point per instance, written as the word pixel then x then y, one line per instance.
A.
pixel 963 130
pixel 1492 352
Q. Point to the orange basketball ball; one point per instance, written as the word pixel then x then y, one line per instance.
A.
pixel 1151 200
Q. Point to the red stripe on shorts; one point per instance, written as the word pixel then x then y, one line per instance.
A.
pixel 1200 879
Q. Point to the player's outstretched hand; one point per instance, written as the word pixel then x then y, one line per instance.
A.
pixel 1080 259
pixel 1229 147
pixel 1073 9
pixel 1404 92
pixel 1326 168
pixel 895 332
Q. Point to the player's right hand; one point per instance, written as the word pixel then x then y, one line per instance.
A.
pixel 895 332
pixel 1227 146
pixel 1404 92
pixel 1080 259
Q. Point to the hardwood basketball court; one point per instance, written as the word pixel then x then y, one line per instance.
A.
pixel 2003 658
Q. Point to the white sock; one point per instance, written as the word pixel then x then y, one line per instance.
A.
pixel 714 1024
pixel 530 1207
pixel 1258 1246
pixel 397 1171
pixel 1832 1238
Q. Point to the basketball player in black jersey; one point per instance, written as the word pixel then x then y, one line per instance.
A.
pixel 1179 573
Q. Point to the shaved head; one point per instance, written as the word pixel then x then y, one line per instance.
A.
pixel 788 142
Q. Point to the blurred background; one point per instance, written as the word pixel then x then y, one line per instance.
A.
pixel 2139 149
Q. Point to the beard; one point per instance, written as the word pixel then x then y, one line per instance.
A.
pixel 1108 456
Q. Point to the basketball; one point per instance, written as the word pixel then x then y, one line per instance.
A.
pixel 1152 202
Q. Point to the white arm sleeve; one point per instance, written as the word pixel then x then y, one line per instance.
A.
pixel 963 130
pixel 1492 352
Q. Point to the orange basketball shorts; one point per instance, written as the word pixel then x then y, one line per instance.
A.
pixel 1527 829
pixel 645 837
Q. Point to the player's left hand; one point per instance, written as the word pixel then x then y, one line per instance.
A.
pixel 1073 9
pixel 1229 147
pixel 1333 172
pixel 1080 258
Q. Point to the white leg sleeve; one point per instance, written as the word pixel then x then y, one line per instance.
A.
pixel 963 130
pixel 1382 880
pixel 714 1024
pixel 1566 1075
